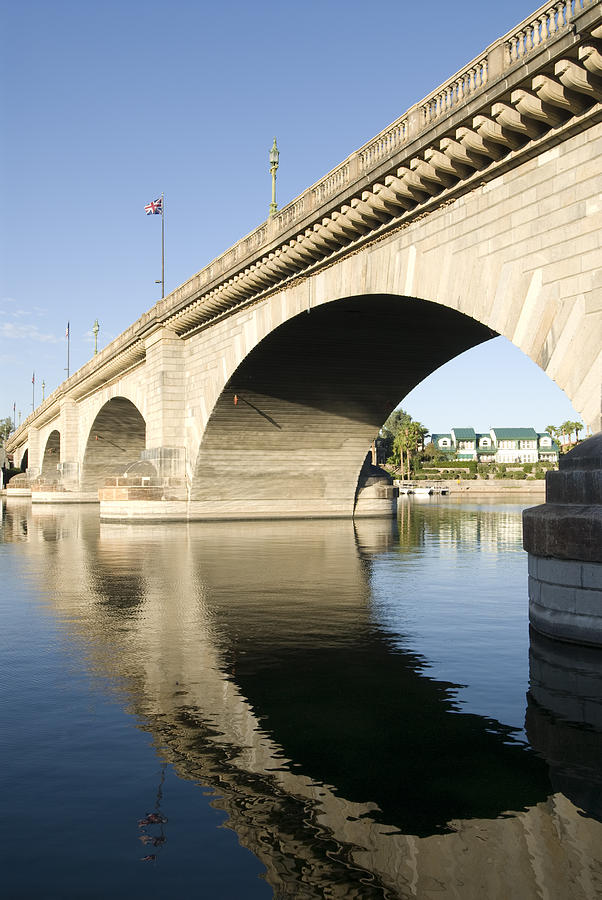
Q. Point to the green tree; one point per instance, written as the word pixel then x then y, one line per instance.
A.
pixel 433 454
pixel 6 426
pixel 408 440
pixel 397 419
pixel 567 428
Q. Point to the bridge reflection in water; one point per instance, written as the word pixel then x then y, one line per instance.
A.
pixel 256 656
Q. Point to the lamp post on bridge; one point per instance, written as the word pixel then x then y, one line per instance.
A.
pixel 95 330
pixel 274 154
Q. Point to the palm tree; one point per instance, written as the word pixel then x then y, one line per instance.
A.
pixel 578 426
pixel 408 440
pixel 566 430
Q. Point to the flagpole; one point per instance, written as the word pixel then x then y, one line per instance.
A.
pixel 33 392
pixel 68 345
pixel 162 245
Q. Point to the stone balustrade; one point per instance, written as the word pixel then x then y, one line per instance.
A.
pixel 541 27
pixel 455 92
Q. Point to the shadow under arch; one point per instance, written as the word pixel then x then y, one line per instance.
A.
pixel 52 455
pixel 116 439
pixel 295 420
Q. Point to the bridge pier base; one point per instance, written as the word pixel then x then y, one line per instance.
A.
pixel 564 540
pixel 136 503
pixel 376 494
pixel 62 488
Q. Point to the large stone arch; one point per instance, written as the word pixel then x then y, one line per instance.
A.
pixel 52 456
pixel 293 423
pixel 518 253
pixel 115 441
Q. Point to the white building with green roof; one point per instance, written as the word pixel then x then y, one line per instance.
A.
pixel 501 445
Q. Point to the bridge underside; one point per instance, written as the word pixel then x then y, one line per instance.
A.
pixel 52 453
pixel 293 425
pixel 116 440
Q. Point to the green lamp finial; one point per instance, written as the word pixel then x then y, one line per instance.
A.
pixel 274 155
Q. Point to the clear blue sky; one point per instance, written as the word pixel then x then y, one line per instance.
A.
pixel 106 105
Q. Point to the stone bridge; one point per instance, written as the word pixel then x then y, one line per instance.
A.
pixel 256 388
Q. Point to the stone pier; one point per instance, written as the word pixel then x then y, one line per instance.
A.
pixel 564 540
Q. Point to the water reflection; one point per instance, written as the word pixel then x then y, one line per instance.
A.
pixel 564 718
pixel 253 655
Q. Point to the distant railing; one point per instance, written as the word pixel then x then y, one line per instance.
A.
pixel 386 143
pixel 332 183
pixel 291 212
pixel 455 92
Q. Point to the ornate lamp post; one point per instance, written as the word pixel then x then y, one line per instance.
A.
pixel 43 391
pixel 274 154
pixel 95 330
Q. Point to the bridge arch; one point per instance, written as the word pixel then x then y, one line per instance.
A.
pixel 294 421
pixel 116 439
pixel 52 455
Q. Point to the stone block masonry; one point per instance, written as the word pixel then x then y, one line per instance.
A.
pixel 564 540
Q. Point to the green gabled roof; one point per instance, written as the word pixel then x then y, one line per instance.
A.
pixel 514 434
pixel 554 445
pixel 435 441
pixel 464 434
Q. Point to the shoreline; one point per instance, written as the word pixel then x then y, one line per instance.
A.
pixel 533 487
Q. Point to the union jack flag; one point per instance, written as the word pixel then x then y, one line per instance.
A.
pixel 155 207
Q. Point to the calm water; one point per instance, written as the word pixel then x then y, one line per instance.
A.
pixel 314 709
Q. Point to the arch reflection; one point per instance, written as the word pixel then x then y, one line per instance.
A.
pixel 250 652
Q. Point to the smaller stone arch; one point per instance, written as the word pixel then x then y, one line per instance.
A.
pixel 116 440
pixel 52 456
pixel 24 460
